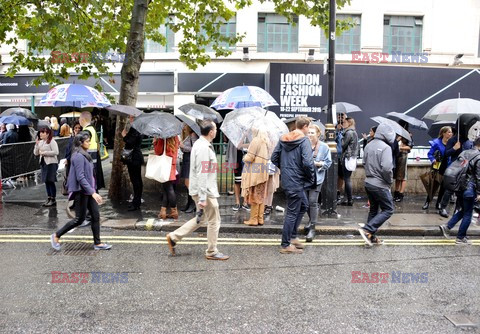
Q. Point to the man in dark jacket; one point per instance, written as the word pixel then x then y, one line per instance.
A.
pixel 378 164
pixel 293 155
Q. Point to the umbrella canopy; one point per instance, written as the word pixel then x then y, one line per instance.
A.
pixel 14 119
pixel 19 112
pixel 240 123
pixel 322 128
pixel 344 108
pixel 122 110
pixel 449 110
pixel 71 114
pixel 201 112
pixel 242 97
pixel 412 122
pixel 394 125
pixel 74 95
pixel 435 127
pixel 158 124
pixel 190 121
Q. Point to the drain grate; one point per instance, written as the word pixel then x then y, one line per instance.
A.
pixel 75 249
pixel 459 320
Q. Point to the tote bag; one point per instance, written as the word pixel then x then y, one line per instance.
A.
pixel 351 164
pixel 159 166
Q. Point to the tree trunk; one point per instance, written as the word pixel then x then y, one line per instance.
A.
pixel 134 57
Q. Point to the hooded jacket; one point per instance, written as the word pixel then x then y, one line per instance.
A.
pixel 377 158
pixel 293 155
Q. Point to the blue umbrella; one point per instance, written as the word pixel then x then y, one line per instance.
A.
pixel 74 95
pixel 242 97
pixel 14 119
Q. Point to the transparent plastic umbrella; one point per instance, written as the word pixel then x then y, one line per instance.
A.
pixel 240 124
pixel 158 124
pixel 243 97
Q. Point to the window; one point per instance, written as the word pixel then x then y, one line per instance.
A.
pixel 226 29
pixel 402 34
pixel 154 47
pixel 44 52
pixel 348 41
pixel 276 34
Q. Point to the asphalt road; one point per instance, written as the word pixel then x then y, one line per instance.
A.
pixel 137 287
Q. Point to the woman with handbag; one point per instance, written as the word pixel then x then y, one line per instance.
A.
pixel 81 185
pixel 435 155
pixel 322 160
pixel 170 146
pixel 349 156
pixel 189 138
pixel 132 156
pixel 255 176
pixel 46 147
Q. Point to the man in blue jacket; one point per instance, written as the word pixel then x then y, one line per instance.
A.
pixel 293 155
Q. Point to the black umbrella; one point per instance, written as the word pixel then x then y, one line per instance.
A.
pixel 158 124
pixel 410 121
pixel 122 110
pixel 19 112
pixel 435 127
pixel 201 112
pixel 190 121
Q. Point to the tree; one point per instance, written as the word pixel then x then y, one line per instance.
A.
pixel 77 27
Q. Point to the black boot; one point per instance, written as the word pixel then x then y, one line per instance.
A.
pixel 47 201
pixel 307 228
pixel 191 206
pixel 395 196
pixel 52 202
pixel 426 205
pixel 399 197
pixel 311 233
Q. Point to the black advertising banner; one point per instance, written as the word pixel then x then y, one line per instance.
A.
pixel 299 89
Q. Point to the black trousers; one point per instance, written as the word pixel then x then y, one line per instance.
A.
pixel 84 203
pixel 169 196
pixel 135 173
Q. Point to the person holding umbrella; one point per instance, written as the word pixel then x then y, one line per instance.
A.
pixel 349 151
pixel 134 162
pixel 435 155
pixel 189 138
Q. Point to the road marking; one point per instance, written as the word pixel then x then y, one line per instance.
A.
pixel 40 238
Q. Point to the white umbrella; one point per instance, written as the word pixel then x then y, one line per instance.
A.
pixel 449 110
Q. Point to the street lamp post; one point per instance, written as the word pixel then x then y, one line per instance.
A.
pixel 330 188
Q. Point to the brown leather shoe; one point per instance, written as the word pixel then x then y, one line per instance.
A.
pixel 163 213
pixel 171 245
pixel 173 213
pixel 291 249
pixel 297 243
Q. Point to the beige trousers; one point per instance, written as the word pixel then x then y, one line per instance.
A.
pixel 211 215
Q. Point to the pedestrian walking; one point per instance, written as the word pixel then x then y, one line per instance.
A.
pixel 204 191
pixel 134 161
pixel 467 196
pixel 47 149
pixel 77 128
pixel 255 176
pixel 378 164
pixel 189 138
pixel 293 155
pixel 322 160
pixel 81 187
pixel 349 151
pixel 169 201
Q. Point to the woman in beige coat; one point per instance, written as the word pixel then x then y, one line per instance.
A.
pixel 255 176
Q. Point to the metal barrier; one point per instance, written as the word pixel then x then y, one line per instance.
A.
pixel 225 176
pixel 18 159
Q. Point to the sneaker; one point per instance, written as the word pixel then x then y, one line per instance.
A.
pixel 103 246
pixel 291 249
pixel 218 257
pixel 463 241
pixel 297 243
pixel 171 245
pixel 376 241
pixel 236 207
pixel 55 245
pixel 445 230
pixel 366 236
pixel 246 207
pixel 85 223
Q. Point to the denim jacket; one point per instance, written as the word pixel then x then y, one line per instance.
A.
pixel 324 155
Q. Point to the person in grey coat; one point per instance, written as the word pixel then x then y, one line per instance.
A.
pixel 378 164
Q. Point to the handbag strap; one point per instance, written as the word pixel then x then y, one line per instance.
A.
pixel 165 146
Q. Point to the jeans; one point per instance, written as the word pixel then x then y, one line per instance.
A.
pixel 297 205
pixel 380 198
pixel 313 204
pixel 83 203
pixel 51 189
pixel 135 173
pixel 348 183
pixel 465 213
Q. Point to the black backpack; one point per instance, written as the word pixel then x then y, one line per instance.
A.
pixel 455 176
